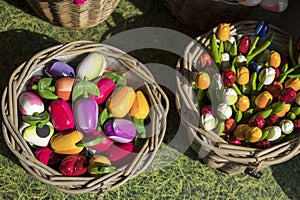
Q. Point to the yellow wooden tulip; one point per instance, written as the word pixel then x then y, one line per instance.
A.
pixel 254 134
pixel 242 75
pixel 264 99
pixel 241 131
pixel 202 80
pixel 285 109
pixel 140 107
pixel 65 143
pixel 243 103
pixel 293 83
pixel 274 59
pixel 223 32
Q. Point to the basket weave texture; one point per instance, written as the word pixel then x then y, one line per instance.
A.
pixel 206 14
pixel 69 15
pixel 158 103
pixel 212 149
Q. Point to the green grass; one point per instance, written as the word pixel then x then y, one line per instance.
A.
pixel 22 34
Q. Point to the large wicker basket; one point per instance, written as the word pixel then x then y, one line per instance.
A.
pixel 213 149
pixel 206 14
pixel 69 15
pixel 159 106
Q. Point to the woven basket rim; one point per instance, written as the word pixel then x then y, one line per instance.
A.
pixel 45 174
pixel 246 156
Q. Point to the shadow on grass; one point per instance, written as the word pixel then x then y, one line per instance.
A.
pixel 17 46
pixel 287 175
pixel 22 5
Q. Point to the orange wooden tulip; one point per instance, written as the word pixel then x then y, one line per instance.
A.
pixel 140 107
pixel 202 80
pixel 254 134
pixel 293 83
pixel 63 88
pixel 241 131
pixel 264 99
pixel 285 109
pixel 223 32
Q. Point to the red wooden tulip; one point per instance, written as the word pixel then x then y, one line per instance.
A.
pixel 257 121
pixel 244 44
pixel 228 78
pixel 288 95
pixel 73 165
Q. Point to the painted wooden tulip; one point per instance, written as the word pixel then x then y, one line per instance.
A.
pixel 63 88
pixel 120 130
pixel 234 141
pixel 57 69
pixel 85 109
pixel 288 95
pixel 242 75
pixel 274 133
pixel 254 134
pixel 65 142
pixel 202 80
pixel 293 83
pixel 263 100
pixel 243 103
pixel 92 66
pixel 204 60
pixel 228 78
pixel 121 153
pixel 244 44
pixel 272 120
pixel 106 87
pixel 100 165
pixel 121 101
pixel 104 144
pixel 257 121
pixel 48 156
pixel 253 67
pixel 274 59
pixel 287 126
pixel 38 136
pixel 61 115
pixel 230 124
pixel 229 96
pixel 140 108
pixel 297 125
pixel 285 109
pixel 225 60
pixel 223 32
pixel 208 122
pixel 30 103
pixel 263 145
pixel 241 131
pixel 249 2
pixel 206 110
pixel 80 2
pixel 274 5
pixel 239 61
pixel 73 165
pixel 275 88
pixel 267 76
pixel 224 111
pixel 262 29
pixel 297 99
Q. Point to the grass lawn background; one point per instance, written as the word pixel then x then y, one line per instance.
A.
pixel 22 34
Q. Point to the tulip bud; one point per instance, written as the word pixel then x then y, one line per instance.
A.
pixel 241 131
pixel 267 76
pixel 257 121
pixel 285 109
pixel 206 110
pixel 239 60
pixel 228 78
pixel 202 80
pixel 263 145
pixel 208 122
pixel 254 134
pixel 287 126
pixel 242 75
pixel 262 29
pixel 244 44
pixel 274 59
pixel 224 111
pixel 273 120
pixel 293 83
pixel 277 72
pixel 229 96
pixel 288 95
pixel 252 66
pixel 230 124
pixel 234 141
pixel 274 133
pixel 275 88
pixel 263 100
pixel 223 32
pixel 243 103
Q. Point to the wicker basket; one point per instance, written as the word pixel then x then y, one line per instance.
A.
pixel 221 155
pixel 206 14
pixel 69 15
pixel 78 185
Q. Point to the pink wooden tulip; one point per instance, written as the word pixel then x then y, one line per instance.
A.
pixel 61 115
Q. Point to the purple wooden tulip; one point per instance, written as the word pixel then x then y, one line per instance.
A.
pixel 61 115
pixel 85 111
pixel 58 69
pixel 120 130
pixel 30 103
pixel 105 86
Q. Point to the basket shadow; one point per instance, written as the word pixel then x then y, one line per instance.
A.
pixel 287 175
pixel 17 47
pixel 22 5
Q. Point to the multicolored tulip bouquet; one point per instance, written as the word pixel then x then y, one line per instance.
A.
pixel 84 122
pixel 254 99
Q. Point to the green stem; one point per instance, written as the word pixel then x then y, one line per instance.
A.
pixel 292 52
pixel 253 45
pixel 237 90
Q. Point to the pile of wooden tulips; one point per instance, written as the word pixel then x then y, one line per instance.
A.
pixel 86 122
pixel 253 98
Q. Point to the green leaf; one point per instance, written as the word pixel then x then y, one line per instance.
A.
pixel 102 170
pixel 85 86
pixel 45 82
pixel 91 143
pixel 139 125
pixel 122 80
pixel 117 77
pixel 104 115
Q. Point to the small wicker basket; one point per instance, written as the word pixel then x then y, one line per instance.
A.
pixel 69 15
pixel 214 150
pixel 206 14
pixel 158 102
